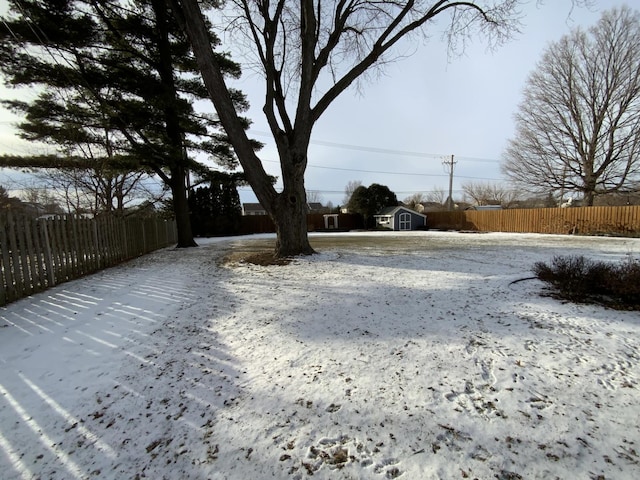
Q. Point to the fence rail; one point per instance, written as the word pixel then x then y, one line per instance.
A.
pixel 36 254
pixel 583 220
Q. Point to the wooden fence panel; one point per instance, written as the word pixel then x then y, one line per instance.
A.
pixel 36 254
pixel 61 254
pixel 16 268
pixel 38 257
pixel 88 258
pixel 116 240
pixel 580 220
pixel 7 293
pixel 251 224
pixel 56 250
pixel 25 268
pixel 5 266
pixel 30 255
pixel 66 249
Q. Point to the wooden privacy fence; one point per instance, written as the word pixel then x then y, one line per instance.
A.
pixel 315 222
pixel 579 220
pixel 39 253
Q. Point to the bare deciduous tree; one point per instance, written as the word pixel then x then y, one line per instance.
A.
pixel 99 190
pixel 314 196
pixel 30 200
pixel 437 195
pixel 578 127
pixel 309 53
pixel 349 189
pixel 7 201
pixel 414 200
pixel 489 194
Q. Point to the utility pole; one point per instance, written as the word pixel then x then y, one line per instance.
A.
pixel 449 164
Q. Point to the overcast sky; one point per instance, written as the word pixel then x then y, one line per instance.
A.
pixel 428 104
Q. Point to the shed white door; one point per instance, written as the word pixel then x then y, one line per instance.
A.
pixel 404 221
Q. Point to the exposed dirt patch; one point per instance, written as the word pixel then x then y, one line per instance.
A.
pixel 264 258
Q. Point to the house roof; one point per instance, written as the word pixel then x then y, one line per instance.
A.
pixel 431 206
pixel 252 207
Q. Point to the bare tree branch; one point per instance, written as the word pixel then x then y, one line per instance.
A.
pixel 310 52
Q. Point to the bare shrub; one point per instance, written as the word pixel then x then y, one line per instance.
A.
pixel 579 279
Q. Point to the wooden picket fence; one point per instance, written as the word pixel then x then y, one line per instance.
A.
pixel 36 254
pixel 623 220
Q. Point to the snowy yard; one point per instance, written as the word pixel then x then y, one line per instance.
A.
pixel 385 356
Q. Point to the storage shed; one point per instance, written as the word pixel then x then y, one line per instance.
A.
pixel 400 218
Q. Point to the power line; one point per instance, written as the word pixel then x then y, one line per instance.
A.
pixel 378 171
pixel 413 174
pixel 363 148
pixel 373 149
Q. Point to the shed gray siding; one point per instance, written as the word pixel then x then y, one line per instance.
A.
pixel 400 219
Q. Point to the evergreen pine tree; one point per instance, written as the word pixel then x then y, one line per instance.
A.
pixel 119 87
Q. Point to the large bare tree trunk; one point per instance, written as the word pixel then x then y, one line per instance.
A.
pixel 289 213
pixel 589 191
pixel 288 209
pixel 299 44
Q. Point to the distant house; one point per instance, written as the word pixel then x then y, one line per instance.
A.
pixel 316 207
pixel 400 218
pixel 429 207
pixel 257 209
pixel 253 209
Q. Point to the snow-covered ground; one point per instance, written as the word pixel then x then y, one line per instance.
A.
pixel 384 356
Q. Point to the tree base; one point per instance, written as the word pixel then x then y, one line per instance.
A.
pixel 288 251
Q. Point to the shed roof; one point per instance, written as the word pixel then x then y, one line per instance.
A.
pixel 391 211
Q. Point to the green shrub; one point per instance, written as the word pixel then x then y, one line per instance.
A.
pixel 579 279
